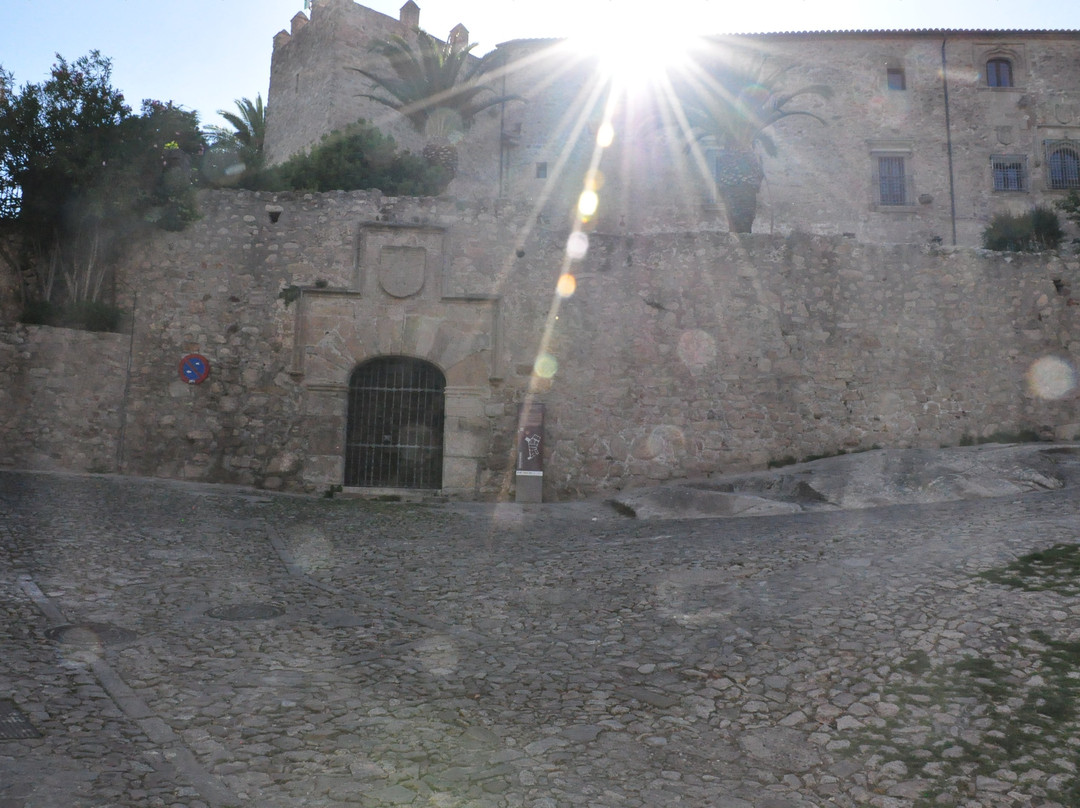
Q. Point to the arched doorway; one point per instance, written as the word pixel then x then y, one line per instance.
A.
pixel 394 431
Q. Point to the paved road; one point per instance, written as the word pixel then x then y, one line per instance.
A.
pixel 239 648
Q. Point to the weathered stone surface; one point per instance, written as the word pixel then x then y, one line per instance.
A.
pixel 910 347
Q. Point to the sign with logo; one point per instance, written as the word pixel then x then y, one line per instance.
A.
pixel 530 460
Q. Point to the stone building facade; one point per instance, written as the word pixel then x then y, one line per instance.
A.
pixel 678 355
pixel 369 342
pixel 928 134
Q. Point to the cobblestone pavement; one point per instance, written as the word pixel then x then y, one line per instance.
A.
pixel 237 648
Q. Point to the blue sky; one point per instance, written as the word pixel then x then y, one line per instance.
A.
pixel 203 54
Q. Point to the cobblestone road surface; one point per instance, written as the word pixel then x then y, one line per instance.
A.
pixel 229 647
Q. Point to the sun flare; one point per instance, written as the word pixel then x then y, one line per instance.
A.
pixel 633 46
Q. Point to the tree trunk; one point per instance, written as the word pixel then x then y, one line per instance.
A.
pixel 738 178
pixel 442 153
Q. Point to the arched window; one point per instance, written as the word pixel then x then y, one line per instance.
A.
pixel 394 431
pixel 1063 164
pixel 999 73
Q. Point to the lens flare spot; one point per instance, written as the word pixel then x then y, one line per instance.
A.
pixel 567 284
pixel 606 135
pixel 696 349
pixel 313 551
pixel 1051 378
pixel 545 366
pixel 577 246
pixel 666 442
pixel 588 202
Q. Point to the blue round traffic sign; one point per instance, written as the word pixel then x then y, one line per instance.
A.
pixel 194 368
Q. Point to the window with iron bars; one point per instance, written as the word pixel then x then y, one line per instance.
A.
pixel 1063 164
pixel 1010 172
pixel 892 181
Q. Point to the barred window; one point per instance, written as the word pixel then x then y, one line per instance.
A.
pixel 999 73
pixel 891 180
pixel 1010 172
pixel 1063 164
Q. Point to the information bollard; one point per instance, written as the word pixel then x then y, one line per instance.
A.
pixel 530 453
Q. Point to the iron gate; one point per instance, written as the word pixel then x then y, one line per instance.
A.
pixel 394 435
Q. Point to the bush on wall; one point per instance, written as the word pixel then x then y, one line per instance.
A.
pixel 1035 231
pixel 357 158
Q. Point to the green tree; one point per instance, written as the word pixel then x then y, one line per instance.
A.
pixel 439 87
pixel 729 114
pixel 244 142
pixel 78 174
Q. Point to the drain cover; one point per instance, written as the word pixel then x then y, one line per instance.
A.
pixel 90 635
pixel 13 724
pixel 246 611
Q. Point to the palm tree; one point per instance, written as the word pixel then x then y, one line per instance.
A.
pixel 437 87
pixel 729 115
pixel 248 132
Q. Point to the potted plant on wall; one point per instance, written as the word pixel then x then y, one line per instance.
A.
pixel 438 86
pixel 729 113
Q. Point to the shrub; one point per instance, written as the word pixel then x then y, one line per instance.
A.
pixel 1070 206
pixel 1035 231
pixel 357 158
pixel 86 315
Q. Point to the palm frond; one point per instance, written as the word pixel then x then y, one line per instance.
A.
pixel 429 77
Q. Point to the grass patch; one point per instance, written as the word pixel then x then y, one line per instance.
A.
pixel 1056 568
pixel 979 715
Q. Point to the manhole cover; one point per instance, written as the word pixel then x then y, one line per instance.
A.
pixel 90 635
pixel 13 724
pixel 246 611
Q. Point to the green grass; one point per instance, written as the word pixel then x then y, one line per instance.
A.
pixel 1016 709
pixel 1022 723
pixel 1056 568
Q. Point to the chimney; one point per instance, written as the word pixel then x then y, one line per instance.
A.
pixel 459 38
pixel 410 15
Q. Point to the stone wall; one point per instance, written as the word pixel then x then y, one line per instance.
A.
pixel 680 354
pixel 61 398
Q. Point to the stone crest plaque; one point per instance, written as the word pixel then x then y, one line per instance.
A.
pixel 402 270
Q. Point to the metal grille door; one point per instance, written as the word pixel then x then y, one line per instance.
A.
pixel 394 437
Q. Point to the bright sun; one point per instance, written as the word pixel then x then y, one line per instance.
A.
pixel 633 46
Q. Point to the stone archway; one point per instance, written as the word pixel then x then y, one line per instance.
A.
pixel 394 424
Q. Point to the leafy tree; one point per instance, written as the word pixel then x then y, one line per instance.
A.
pixel 359 157
pixel 244 142
pixel 79 173
pixel 729 115
pixel 439 87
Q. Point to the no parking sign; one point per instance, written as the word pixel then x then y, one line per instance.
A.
pixel 194 368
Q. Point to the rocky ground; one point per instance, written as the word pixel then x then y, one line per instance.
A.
pixel 182 645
